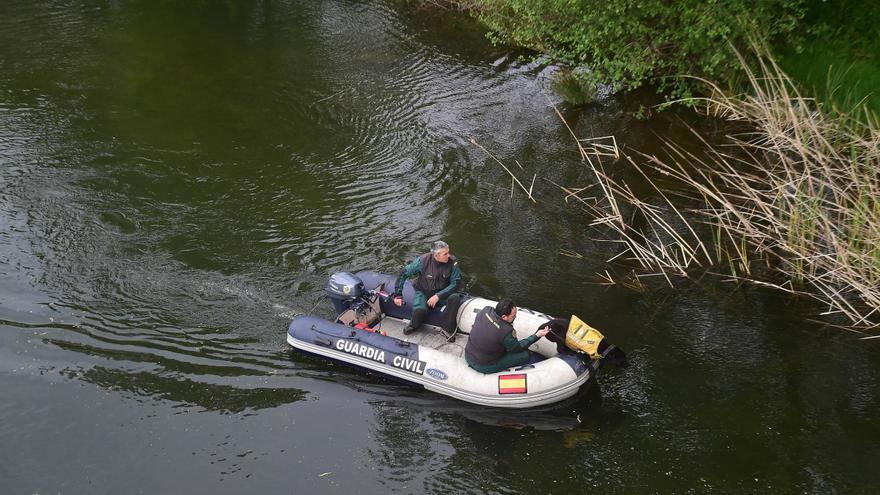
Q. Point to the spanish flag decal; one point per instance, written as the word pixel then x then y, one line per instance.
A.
pixel 512 384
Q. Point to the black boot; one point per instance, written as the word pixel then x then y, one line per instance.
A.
pixel 417 318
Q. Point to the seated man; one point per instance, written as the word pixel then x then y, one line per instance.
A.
pixel 437 281
pixel 491 346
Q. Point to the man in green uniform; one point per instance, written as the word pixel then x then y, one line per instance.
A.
pixel 437 281
pixel 491 346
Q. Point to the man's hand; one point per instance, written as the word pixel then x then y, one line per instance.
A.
pixel 398 300
pixel 432 301
pixel 542 332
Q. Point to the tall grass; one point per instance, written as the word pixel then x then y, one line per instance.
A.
pixel 793 203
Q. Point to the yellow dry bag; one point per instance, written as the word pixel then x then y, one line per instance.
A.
pixel 582 337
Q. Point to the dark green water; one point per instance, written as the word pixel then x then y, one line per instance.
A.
pixel 178 180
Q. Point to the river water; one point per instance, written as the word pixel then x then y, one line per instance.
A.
pixel 179 179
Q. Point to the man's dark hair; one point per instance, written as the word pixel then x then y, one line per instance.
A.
pixel 504 307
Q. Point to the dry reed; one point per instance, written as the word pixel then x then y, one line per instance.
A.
pixel 793 204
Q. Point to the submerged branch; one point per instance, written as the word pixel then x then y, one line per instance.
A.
pixel 512 176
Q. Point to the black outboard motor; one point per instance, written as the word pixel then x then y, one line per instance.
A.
pixel 344 289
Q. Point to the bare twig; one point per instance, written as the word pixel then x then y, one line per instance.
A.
pixel 474 142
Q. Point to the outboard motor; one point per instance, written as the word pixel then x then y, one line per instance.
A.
pixel 344 289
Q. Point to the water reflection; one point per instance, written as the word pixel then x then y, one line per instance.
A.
pixel 187 392
pixel 427 442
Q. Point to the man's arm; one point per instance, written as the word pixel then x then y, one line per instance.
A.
pixel 409 271
pixel 513 345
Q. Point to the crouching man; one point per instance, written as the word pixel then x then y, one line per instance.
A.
pixel 491 346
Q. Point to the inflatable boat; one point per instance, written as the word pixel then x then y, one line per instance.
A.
pixel 368 333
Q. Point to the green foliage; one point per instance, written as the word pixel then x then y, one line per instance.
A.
pixel 627 43
pixel 577 87
pixel 838 55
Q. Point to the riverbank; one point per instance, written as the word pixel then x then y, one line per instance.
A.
pixel 829 52
pixel 792 203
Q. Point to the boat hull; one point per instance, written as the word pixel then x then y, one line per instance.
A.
pixel 546 382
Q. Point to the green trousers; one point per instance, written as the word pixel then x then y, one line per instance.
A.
pixel 420 301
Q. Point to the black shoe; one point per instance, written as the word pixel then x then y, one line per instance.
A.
pixel 408 329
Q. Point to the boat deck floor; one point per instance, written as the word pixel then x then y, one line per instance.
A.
pixel 427 336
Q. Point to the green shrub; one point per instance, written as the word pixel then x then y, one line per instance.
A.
pixel 627 43
pixel 576 87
